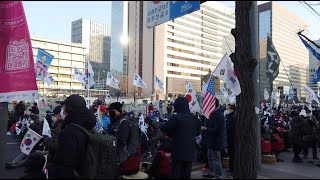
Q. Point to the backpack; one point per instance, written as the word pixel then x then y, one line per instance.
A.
pixel 165 163
pixel 100 160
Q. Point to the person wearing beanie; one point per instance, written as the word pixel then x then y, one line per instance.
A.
pixel 72 141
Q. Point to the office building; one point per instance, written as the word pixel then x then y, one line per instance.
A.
pixel 193 45
pixel 96 37
pixel 66 56
pixel 283 26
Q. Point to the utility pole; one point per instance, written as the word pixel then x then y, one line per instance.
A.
pixel 253 18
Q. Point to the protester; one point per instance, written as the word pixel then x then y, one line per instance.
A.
pixel 309 131
pixel 296 135
pixel 34 109
pixel 128 135
pixel 150 108
pixel 231 131
pixel 72 141
pixel 34 167
pixel 214 137
pixel 105 118
pixel 51 144
pixel 161 163
pixel 169 108
pixel 183 128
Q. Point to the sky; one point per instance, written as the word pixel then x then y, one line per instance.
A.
pixel 52 19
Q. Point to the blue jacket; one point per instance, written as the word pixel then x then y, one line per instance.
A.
pixel 105 123
pixel 215 132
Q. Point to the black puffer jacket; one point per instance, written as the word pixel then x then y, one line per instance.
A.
pixel 215 130
pixel 72 144
pixel 183 127
pixel 296 133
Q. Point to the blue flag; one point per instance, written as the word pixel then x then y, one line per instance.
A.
pixel 308 46
pixel 316 76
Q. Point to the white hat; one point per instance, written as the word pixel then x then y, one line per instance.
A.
pixel 303 113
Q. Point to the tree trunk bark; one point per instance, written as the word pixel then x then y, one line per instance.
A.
pixel 245 164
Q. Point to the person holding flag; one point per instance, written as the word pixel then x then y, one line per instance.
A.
pixel 214 130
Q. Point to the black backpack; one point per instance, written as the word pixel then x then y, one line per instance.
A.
pixel 100 161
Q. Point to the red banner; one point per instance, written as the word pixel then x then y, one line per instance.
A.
pixel 17 74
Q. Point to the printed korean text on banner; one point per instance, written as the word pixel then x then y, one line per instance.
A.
pixel 273 61
pixel 159 12
pixel 112 82
pixel 192 99
pixel 266 94
pixel 78 75
pixel 137 81
pixel 43 62
pixel 46 131
pixel 310 94
pixel 273 95
pixel 48 79
pixel 292 94
pixel 158 84
pixel 225 72
pixel 16 56
pixel 29 140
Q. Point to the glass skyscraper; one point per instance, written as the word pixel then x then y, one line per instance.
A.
pixel 119 38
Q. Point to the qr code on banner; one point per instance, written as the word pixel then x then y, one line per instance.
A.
pixel 17 55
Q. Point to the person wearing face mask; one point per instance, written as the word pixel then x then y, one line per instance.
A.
pixel 128 136
pixel 51 144
pixel 72 141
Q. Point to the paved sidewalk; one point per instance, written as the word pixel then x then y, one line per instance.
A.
pixel 281 170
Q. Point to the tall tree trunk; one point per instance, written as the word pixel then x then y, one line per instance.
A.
pixel 245 164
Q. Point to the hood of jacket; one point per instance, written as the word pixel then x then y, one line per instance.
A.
pixel 81 116
pixel 181 105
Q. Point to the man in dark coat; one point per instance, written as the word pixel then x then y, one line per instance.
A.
pixel 72 141
pixel 183 127
pixel 231 128
pixel 296 136
pixel 214 131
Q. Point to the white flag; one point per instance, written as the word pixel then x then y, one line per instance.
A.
pixel 48 79
pixel 204 88
pixel 233 99
pixel 78 75
pixel 266 94
pixel 29 140
pixel 225 72
pixel 137 81
pixel 111 81
pixel 273 95
pixel 224 92
pixel 158 84
pixel 89 75
pixel 191 96
pixel 46 128
pixel 310 94
pixel 298 96
pixel 291 94
pixel 108 96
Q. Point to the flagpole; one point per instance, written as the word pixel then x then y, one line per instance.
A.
pixel 88 79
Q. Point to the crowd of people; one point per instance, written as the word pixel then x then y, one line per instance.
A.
pixel 107 142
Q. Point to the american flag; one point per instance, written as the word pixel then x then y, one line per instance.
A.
pixel 209 101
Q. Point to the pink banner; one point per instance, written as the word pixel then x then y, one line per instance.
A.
pixel 17 74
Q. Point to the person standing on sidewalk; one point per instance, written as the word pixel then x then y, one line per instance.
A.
pixel 183 127
pixel 231 128
pixel 296 135
pixel 214 131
